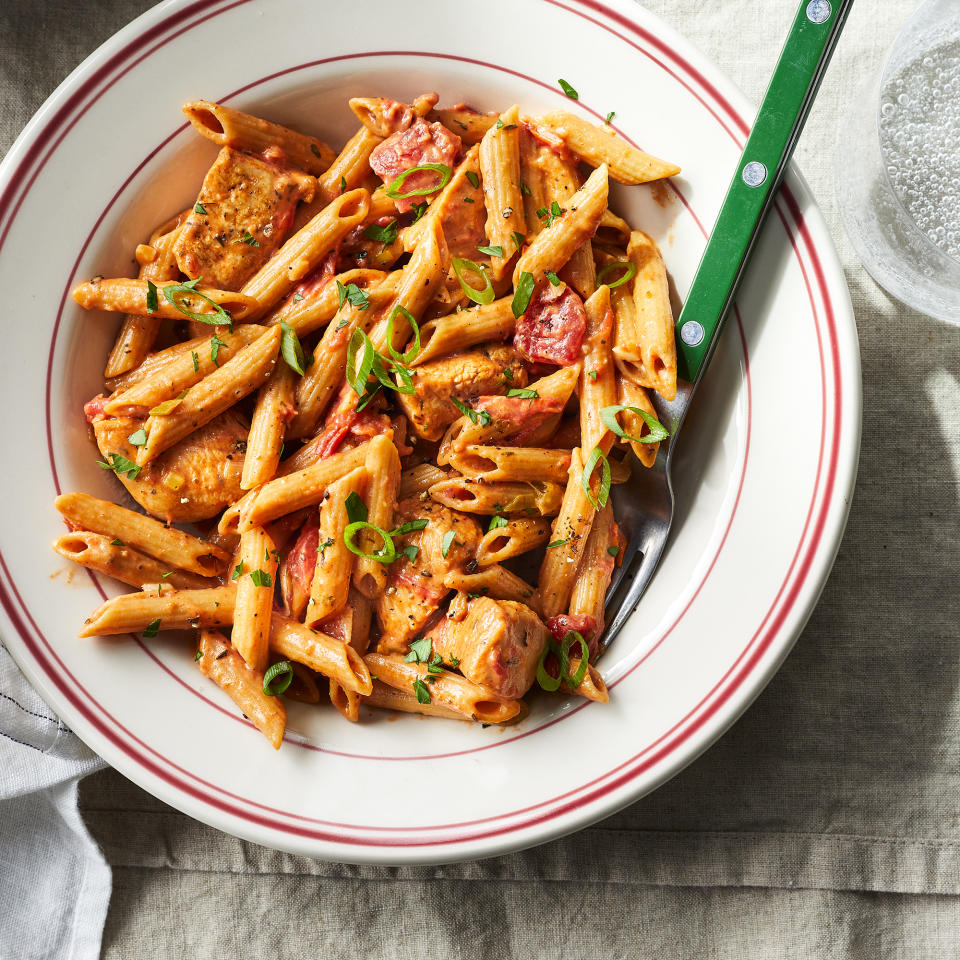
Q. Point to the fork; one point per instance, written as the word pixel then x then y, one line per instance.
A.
pixel 645 504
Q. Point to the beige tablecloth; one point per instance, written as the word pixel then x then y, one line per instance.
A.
pixel 825 824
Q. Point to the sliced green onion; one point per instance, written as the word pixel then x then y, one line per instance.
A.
pixel 277 678
pixel 657 432
pixel 291 350
pixel 487 294
pixel 522 295
pixel 629 272
pixel 395 185
pixel 152 301
pixel 473 178
pixel 604 492
pixel 358 375
pixel 550 684
pixel 386 554
pixel 574 681
pixel 412 353
pixel 219 317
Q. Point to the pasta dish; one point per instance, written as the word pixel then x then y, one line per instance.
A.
pixel 371 404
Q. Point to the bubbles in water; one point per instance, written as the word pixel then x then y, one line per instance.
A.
pixel 919 121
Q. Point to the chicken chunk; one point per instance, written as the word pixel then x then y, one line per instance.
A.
pixel 415 587
pixel 498 643
pixel 490 369
pixel 248 205
pixel 193 480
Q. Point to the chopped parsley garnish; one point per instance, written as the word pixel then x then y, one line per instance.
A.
pixel 197 656
pixel 117 542
pixel 120 465
pixel 215 344
pixel 524 189
pixel 410 552
pixel 523 394
pixel 476 416
pixel 473 178
pixel 323 546
pixel 609 116
pixel 356 508
pixel 352 293
pixel 152 302
pixel 613 550
pixel 199 208
pixel 409 527
pixel 447 542
pixel 385 235
pixel 422 691
pixel 491 251
pixel 419 209
pixel 557 543
pixel 496 521
pixel 518 238
pixel 261 578
pixel 297 297
pixel 343 184
pixel 237 571
pixel 249 239
pixel 152 628
pixel 436 664
pixel 522 294
pixel 291 350
pixel 138 438
pixel 553 278
pixel 568 90
pixel 419 650
pixel 196 361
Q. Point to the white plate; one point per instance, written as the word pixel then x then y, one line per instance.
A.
pixel 768 462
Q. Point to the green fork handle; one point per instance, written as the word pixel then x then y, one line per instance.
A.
pixel 783 112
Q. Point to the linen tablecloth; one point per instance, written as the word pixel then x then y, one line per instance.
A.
pixel 826 823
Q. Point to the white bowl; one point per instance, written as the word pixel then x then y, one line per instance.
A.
pixel 768 454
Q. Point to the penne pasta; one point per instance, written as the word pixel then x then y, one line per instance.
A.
pixel 465 328
pixel 96 551
pixel 227 127
pixel 595 570
pixel 172 547
pixel 631 395
pixel 479 496
pixel 496 582
pixel 238 377
pixel 598 386
pixel 346 701
pixel 598 146
pixel 173 610
pixel 385 697
pixel 255 575
pixel 132 296
pixel 321 653
pixel 500 173
pixel 349 167
pixel 570 531
pixel 492 464
pixel 303 685
pixel 383 466
pixel 417 480
pixel 268 427
pixel 305 249
pixel 591 687
pixel 445 689
pixel 222 664
pixel 469 125
pixel 334 567
pixel 553 247
pixel 511 539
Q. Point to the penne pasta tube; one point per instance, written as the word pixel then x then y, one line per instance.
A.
pixel 181 370
pixel 351 623
pixel 154 362
pixel 255 575
pixel 334 566
pixel 512 538
pixel 346 701
pixel 385 697
pixel 227 127
pixel 292 491
pixel 137 333
pixel 496 582
pixel 350 167
pixel 599 146
pixel 321 653
pixel 598 383
pixel 614 228
pixel 465 328
pixel 556 244
pixel 570 531
pixel 467 124
pixel 500 172
pixel 631 395
pixel 479 496
pixel 446 689
pixel 302 488
pixel 419 479
pixel 596 570
pixel 320 306
pixel 171 546
pixel 268 427
pixel 653 360
pixel 222 664
pixel 303 251
pixel 238 377
pixel 122 295
pixel 96 551
pixel 383 466
pixel 173 610
pixel 591 686
pixel 537 464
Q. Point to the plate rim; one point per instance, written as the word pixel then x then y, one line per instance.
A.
pixel 836 510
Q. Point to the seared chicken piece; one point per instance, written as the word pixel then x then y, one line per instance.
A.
pixel 490 369
pixel 193 480
pixel 415 587
pixel 498 643
pixel 249 205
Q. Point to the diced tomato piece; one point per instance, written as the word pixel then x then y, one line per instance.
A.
pixel 553 326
